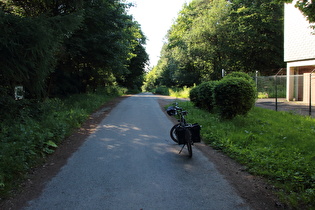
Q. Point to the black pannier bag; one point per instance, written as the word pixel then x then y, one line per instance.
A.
pixel 180 135
pixel 194 130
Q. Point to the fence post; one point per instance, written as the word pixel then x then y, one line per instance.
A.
pixel 277 88
pixel 310 105
pixel 276 92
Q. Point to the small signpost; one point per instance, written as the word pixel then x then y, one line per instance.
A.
pixel 18 92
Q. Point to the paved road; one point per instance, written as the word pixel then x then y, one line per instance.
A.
pixel 131 163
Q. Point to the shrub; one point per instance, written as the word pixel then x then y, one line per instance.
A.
pixel 111 90
pixel 234 96
pixel 31 130
pixel 162 90
pixel 202 95
pixel 239 74
pixel 206 95
pixel 194 96
pixel 180 92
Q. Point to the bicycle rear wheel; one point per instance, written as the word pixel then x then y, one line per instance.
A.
pixel 172 133
pixel 188 142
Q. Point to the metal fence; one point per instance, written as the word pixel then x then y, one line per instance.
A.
pixel 271 86
pixel 301 89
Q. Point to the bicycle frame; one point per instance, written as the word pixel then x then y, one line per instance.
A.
pixel 181 115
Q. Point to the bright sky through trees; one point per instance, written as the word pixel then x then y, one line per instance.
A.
pixel 155 17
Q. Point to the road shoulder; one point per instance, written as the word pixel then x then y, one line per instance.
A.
pixel 36 180
pixel 255 190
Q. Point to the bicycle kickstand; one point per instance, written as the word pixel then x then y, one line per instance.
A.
pixel 182 148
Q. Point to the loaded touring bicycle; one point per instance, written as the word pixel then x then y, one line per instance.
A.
pixel 183 133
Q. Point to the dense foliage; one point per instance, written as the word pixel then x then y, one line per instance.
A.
pixel 36 129
pixel 58 48
pixel 209 36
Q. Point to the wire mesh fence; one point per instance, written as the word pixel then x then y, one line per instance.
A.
pixel 271 86
pixel 280 89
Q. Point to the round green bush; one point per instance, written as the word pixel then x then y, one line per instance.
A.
pixel 234 96
pixel 239 74
pixel 206 95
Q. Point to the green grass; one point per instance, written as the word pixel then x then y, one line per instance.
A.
pixel 36 131
pixel 279 146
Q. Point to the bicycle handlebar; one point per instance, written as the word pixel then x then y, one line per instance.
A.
pixel 179 108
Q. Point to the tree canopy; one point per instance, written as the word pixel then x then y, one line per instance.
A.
pixel 56 48
pixel 211 35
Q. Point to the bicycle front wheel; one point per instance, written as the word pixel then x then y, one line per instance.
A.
pixel 188 142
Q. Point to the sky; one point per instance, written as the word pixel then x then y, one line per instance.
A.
pixel 156 18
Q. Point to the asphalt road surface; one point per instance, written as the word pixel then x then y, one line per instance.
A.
pixel 130 162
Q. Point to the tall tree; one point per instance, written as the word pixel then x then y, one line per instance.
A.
pixel 28 49
pixel 102 48
pixel 33 8
pixel 255 36
pixel 235 35
pixel 208 38
pixel 179 61
pixel 66 45
pixel 134 78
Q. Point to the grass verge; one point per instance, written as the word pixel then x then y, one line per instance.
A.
pixel 279 146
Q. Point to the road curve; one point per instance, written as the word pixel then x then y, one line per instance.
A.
pixel 130 162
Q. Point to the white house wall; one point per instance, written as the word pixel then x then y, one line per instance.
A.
pixel 299 48
pixel 299 39
pixel 292 77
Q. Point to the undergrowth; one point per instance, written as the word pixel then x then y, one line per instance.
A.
pixel 179 92
pixel 174 92
pixel 37 129
pixel 279 146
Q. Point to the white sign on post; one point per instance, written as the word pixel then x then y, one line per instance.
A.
pixel 18 92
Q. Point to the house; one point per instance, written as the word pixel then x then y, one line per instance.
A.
pixel 299 54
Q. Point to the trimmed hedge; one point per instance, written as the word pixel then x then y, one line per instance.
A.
pixel 234 96
pixel 202 95
pixel 194 96
pixel 239 74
